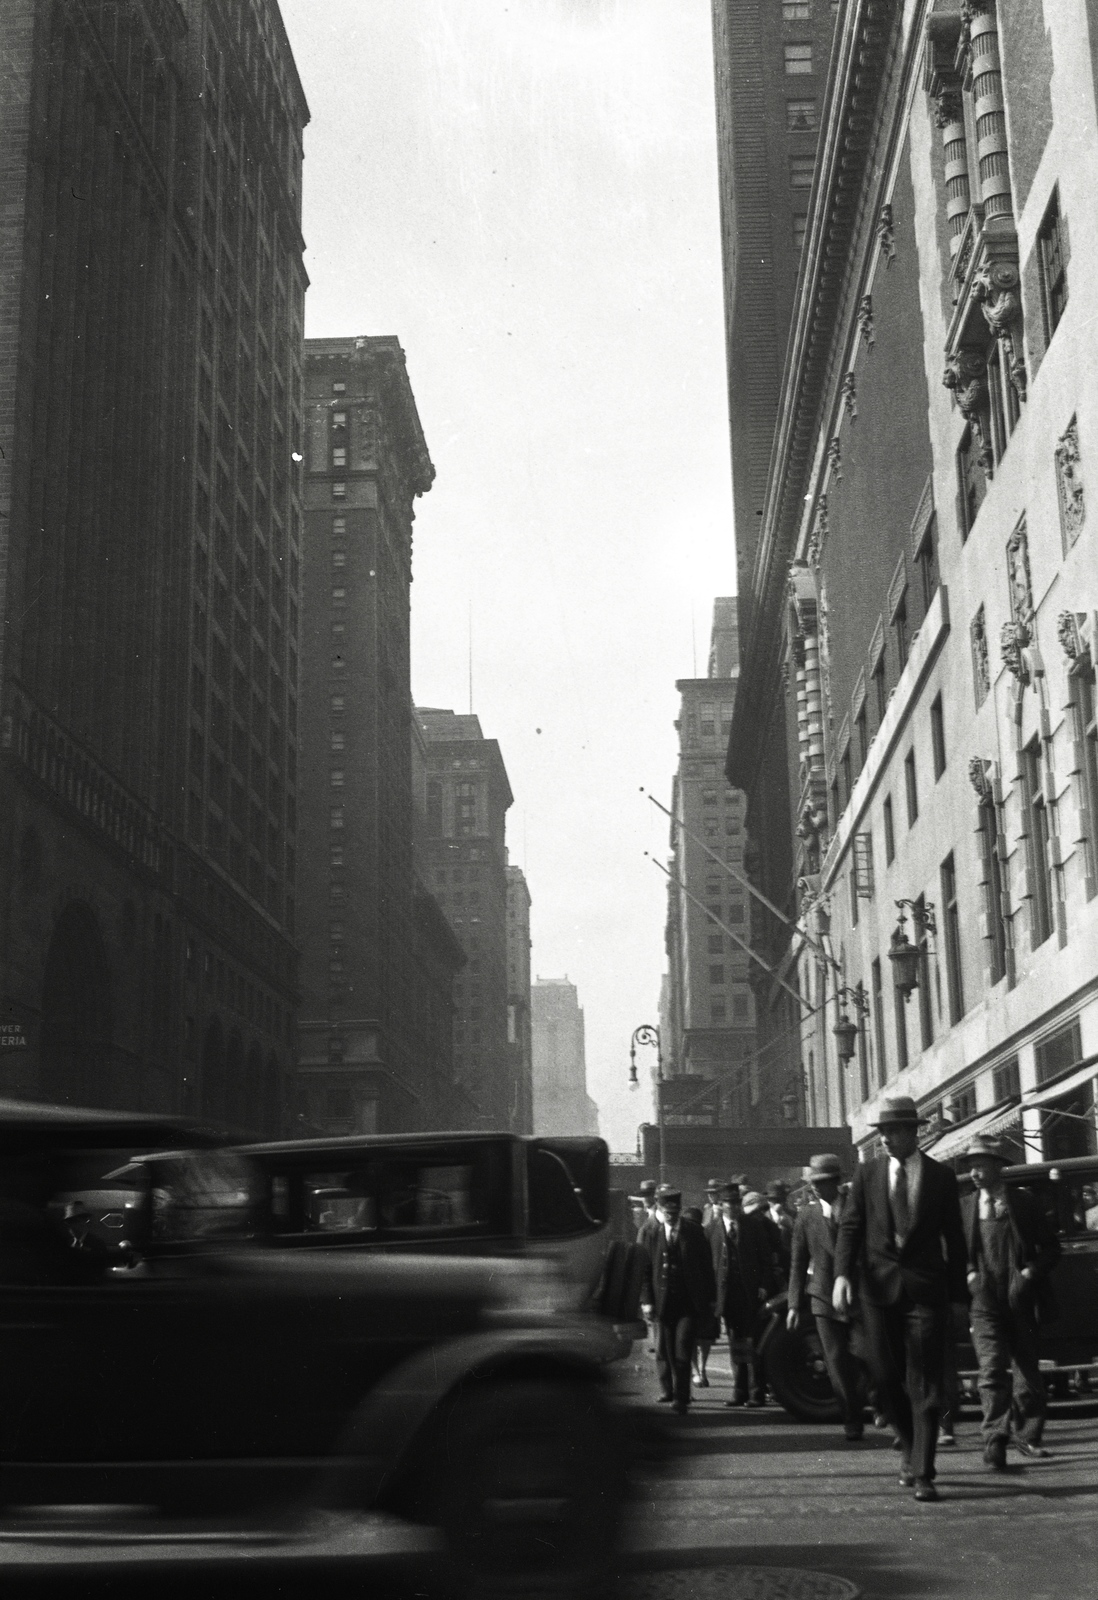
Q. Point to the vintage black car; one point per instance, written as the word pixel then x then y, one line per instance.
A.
pixel 1068 1192
pixel 166 1363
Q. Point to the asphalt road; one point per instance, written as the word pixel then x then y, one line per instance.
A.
pixel 744 1490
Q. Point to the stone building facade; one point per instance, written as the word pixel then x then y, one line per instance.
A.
pixel 709 1033
pixel 378 960
pixel 519 1035
pixel 151 314
pixel 465 865
pixel 561 1102
pixel 925 587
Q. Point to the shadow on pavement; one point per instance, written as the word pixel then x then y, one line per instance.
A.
pixel 872 1568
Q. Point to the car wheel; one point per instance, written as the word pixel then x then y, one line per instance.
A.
pixel 797 1373
pixel 527 1488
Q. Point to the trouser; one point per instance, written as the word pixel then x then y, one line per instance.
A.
pixel 676 1336
pixel 906 1344
pixel 843 1368
pixel 1006 1342
pixel 748 1377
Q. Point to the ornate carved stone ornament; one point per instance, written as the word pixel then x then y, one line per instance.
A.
pixel 1069 631
pixel 1069 483
pixel 948 106
pixel 965 377
pixel 850 396
pixel 981 667
pixel 995 289
pixel 1021 586
pixel 886 237
pixel 865 319
pixel 835 458
pixel 818 537
pixel 980 778
pixel 1013 640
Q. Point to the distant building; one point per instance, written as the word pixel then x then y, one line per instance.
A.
pixel 151 311
pixel 561 1102
pixel 519 1036
pixel 363 1065
pixel 709 999
pixel 465 857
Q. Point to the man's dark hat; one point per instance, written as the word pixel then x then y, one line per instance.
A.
pixel 667 1191
pixel 712 1185
pixel 776 1189
pixel 647 1188
pixel 899 1110
pixel 984 1147
pixel 728 1191
pixel 823 1166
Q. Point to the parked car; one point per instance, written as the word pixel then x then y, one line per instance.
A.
pixel 1068 1193
pixel 192 1373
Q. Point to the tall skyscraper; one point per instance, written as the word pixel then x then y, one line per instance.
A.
pixel 561 1102
pixel 365 1062
pixel 467 799
pixel 151 304
pixel 710 1002
pixel 519 1037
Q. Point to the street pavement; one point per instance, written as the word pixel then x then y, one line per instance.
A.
pixel 744 1490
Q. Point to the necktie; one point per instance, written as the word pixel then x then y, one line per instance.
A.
pixel 901 1210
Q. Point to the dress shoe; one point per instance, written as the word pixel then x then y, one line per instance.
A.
pixel 700 1381
pixel 946 1440
pixel 735 1402
pixel 1033 1452
pixel 880 1421
pixel 665 1399
pixel 995 1455
pixel 907 1479
pixel 925 1490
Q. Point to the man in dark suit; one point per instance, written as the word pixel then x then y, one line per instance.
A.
pixel 746 1276
pixel 777 1209
pixel 813 1266
pixel 1012 1248
pixel 680 1292
pixel 901 1232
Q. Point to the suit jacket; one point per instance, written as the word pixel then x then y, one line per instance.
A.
pixel 932 1262
pixel 758 1262
pixel 696 1265
pixel 1033 1243
pixel 813 1256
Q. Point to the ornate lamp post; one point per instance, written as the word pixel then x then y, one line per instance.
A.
pixel 846 1032
pixel 647 1034
pixel 905 956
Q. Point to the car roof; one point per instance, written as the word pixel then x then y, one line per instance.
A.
pixel 1042 1169
pixel 88 1124
pixel 373 1141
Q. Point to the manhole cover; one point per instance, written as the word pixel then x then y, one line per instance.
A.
pixel 741 1583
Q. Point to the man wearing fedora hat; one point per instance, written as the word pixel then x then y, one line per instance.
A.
pixel 901 1232
pixel 813 1267
pixel 1012 1248
pixel 679 1294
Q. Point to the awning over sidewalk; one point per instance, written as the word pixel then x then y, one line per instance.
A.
pixel 954 1141
pixel 1085 1071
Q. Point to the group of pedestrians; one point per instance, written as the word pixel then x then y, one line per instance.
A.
pixel 895 1266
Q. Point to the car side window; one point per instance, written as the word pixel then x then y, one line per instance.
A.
pixel 419 1197
pixel 338 1202
pixel 556 1208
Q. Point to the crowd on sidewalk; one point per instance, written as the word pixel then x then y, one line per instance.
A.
pixel 894 1267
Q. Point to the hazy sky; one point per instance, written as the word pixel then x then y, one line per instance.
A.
pixel 524 192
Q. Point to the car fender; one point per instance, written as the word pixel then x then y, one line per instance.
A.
pixel 771 1317
pixel 382 1438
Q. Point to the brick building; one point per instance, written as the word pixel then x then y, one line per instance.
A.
pixel 465 861
pixel 709 1003
pixel 921 647
pixel 375 1014
pixel 151 306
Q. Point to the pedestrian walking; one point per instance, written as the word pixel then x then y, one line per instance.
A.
pixel 1012 1248
pixel 712 1205
pixel 813 1270
pixel 777 1209
pixel 646 1191
pixel 745 1270
pixel 901 1234
pixel 680 1292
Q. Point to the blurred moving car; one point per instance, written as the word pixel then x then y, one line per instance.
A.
pixel 1067 1191
pixel 191 1373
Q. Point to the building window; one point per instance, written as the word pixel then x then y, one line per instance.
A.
pixel 800 228
pixel 741 1010
pixel 861 729
pixel 1058 1051
pixel 926 560
pixel 879 1024
pixel 880 688
pixel 717 1012
pixel 899 631
pixel 926 1014
pixel 708 721
pixel 995 923
pixel 1006 1081
pixel 1053 265
pixel 801 169
pixel 1082 686
pixel 339 558
pixel 937 736
pixel 971 480
pixel 339 455
pixel 337 817
pixel 1040 865
pixel 339 388
pixel 716 944
pixel 339 491
pixel 952 930
pixel 709 797
pixel 853 897
pixel 338 741
pixel 798 59
pixel 339 527
pixel 901 1031
pixel 912 788
pixel 338 703
pixel 716 974
pixel 800 116
pixel 796 11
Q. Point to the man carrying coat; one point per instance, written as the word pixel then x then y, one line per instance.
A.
pixel 813 1266
pixel 1012 1248
pixel 901 1232
pixel 679 1293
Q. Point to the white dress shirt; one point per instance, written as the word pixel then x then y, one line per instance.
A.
pixel 825 1206
pixel 992 1204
